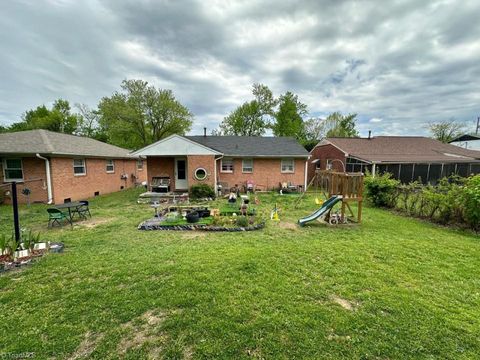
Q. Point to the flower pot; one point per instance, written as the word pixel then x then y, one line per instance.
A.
pixel 40 246
pixel 203 213
pixel 193 217
pixel 56 247
pixel 21 254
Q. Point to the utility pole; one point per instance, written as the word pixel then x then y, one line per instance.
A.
pixel 478 125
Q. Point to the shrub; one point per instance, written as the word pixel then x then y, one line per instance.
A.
pixel 381 189
pixel 471 200
pixel 201 191
pixel 242 221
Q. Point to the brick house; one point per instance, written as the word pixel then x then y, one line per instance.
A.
pixel 407 158
pixel 57 167
pixel 267 162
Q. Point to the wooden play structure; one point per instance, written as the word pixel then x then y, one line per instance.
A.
pixel 337 187
pixel 347 186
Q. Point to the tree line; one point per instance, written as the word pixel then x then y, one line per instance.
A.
pixel 139 114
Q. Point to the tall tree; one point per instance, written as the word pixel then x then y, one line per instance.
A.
pixel 338 125
pixel 140 114
pixel 89 123
pixel 446 131
pixel 289 117
pixel 252 117
pixel 59 118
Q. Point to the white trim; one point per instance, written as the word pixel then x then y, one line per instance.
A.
pixel 306 171
pixel 243 166
pixel 84 167
pixel 4 166
pixel 326 142
pixel 142 150
pixel 287 171
pixel 107 165
pixel 195 174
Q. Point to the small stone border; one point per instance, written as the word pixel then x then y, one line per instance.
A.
pixel 201 227
pixel 18 264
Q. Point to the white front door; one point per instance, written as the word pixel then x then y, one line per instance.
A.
pixel 181 181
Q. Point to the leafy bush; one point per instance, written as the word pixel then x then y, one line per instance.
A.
pixel 471 200
pixel 201 191
pixel 381 189
pixel 242 221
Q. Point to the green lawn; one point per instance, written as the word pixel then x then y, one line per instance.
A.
pixel 391 288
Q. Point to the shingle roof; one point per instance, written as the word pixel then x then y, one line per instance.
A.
pixel 409 149
pixel 51 143
pixel 253 146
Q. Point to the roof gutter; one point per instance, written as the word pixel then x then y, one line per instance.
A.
pixel 49 178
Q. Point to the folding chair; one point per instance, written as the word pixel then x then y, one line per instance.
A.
pixel 56 216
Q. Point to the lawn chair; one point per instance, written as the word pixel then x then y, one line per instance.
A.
pixel 56 216
pixel 83 210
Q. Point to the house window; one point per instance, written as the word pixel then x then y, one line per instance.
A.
pixel 12 170
pixel 139 164
pixel 329 164
pixel 247 165
pixel 318 165
pixel 79 167
pixel 288 166
pixel 200 174
pixel 110 166
pixel 227 165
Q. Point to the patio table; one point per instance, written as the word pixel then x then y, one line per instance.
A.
pixel 69 206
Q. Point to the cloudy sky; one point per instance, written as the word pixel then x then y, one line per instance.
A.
pixel 398 64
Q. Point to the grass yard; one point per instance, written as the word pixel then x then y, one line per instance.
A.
pixel 392 288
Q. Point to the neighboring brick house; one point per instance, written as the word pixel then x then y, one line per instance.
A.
pixel 407 158
pixel 58 167
pixel 267 162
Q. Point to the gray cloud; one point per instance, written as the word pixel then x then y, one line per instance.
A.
pixel 407 63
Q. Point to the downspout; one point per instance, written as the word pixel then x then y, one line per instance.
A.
pixel 49 178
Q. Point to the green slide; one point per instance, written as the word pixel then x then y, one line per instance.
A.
pixel 327 205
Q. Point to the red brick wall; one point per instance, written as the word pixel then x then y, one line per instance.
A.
pixel 165 166
pixel 324 153
pixel 161 166
pixel 66 185
pixel 201 161
pixel 266 173
pixel 33 168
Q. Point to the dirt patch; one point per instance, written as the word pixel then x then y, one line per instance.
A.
pixel 188 353
pixel 143 330
pixel 288 225
pixel 339 338
pixel 255 353
pixel 347 305
pixel 87 346
pixel 92 223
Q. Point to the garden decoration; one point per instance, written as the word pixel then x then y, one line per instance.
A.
pixel 14 254
pixel 274 214
pixel 27 192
